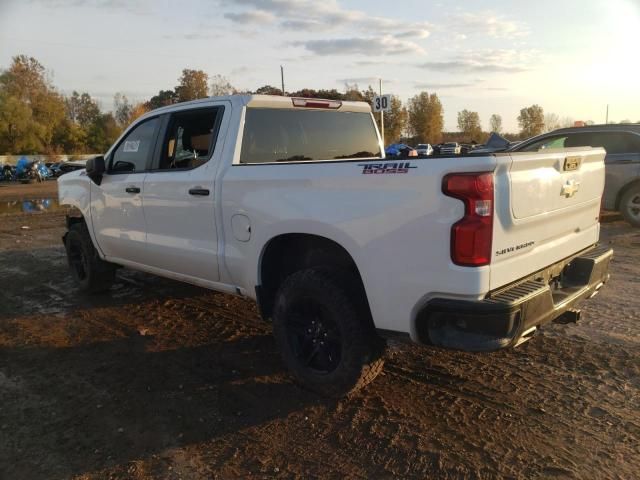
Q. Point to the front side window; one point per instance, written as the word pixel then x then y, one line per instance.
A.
pixel 287 135
pixel 134 152
pixel 189 140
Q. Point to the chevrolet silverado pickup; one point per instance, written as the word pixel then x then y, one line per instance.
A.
pixel 291 202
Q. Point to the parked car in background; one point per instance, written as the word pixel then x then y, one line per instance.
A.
pixel 400 150
pixel 424 149
pixel 65 167
pixel 451 148
pixel 31 171
pixel 622 143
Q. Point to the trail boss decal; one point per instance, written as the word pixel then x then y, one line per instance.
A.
pixel 384 168
pixel 513 249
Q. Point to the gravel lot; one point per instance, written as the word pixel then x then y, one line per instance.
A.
pixel 158 379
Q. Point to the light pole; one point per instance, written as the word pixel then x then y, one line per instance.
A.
pixel 381 117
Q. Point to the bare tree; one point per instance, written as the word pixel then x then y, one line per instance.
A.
pixel 551 122
pixel 495 122
pixel 220 86
pixel 122 109
pixel 566 122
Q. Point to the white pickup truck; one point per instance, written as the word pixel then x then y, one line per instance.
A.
pixel 291 202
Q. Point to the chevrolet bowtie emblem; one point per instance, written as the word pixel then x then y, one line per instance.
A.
pixel 570 188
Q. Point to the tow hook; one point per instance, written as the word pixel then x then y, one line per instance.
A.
pixel 570 316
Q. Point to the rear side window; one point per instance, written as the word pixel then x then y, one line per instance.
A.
pixel 134 152
pixel 549 142
pixel 613 142
pixel 279 135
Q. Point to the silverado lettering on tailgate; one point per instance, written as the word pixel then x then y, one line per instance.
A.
pixel 513 249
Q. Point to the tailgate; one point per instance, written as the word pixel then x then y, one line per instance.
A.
pixel 547 208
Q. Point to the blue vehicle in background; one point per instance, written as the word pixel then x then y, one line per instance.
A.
pixel 31 171
pixel 400 150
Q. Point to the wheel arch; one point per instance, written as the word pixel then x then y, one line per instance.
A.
pixel 289 252
pixel 622 192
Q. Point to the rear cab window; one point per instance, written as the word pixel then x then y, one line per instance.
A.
pixel 273 135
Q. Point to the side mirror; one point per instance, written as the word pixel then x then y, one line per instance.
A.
pixel 95 168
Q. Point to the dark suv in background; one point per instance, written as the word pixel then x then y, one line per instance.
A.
pixel 622 143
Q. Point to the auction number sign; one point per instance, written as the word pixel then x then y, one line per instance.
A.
pixel 382 103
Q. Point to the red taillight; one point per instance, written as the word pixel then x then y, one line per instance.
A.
pixel 313 103
pixel 472 235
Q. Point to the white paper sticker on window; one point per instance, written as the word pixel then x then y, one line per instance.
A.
pixel 131 146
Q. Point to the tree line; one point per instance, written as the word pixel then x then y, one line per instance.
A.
pixel 35 118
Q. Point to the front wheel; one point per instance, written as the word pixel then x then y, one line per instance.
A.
pixel 91 273
pixel 630 206
pixel 323 334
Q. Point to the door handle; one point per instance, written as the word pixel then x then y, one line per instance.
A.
pixel 203 192
pixel 132 190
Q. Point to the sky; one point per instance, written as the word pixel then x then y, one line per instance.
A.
pixel 572 57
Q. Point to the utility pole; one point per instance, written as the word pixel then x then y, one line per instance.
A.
pixel 381 117
pixel 607 117
pixel 282 78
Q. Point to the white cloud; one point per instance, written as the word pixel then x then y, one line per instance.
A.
pixel 362 81
pixel 415 34
pixel 443 86
pixel 385 45
pixel 488 23
pixel 251 16
pixel 486 61
pixel 314 16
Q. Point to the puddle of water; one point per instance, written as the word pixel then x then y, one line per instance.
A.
pixel 30 206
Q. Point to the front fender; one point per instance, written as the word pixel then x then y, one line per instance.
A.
pixel 74 190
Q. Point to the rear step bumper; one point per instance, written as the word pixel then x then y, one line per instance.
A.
pixel 511 315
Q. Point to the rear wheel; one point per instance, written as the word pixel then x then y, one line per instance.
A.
pixel 323 335
pixel 92 274
pixel 630 206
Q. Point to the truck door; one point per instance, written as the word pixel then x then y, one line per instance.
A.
pixel 179 195
pixel 116 204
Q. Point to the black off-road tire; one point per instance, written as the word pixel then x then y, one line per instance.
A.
pixel 92 274
pixel 630 205
pixel 335 296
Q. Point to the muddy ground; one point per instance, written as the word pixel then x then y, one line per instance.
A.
pixel 161 380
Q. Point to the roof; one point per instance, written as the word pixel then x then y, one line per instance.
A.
pixel 635 127
pixel 270 101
